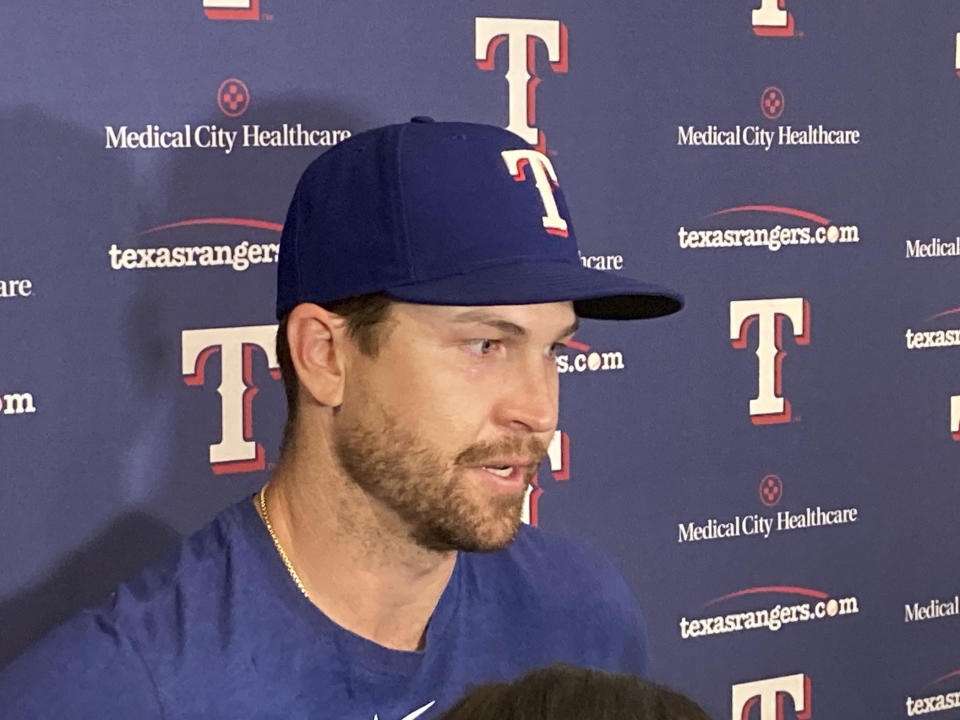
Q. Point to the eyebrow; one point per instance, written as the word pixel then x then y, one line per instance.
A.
pixel 486 318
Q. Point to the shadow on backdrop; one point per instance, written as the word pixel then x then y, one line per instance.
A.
pixel 180 422
pixel 113 467
pixel 70 530
pixel 84 578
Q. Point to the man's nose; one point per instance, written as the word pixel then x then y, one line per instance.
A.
pixel 528 401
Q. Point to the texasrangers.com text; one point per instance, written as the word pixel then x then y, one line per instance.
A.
pixel 773 238
pixel 239 257
pixel 933 703
pixel 770 618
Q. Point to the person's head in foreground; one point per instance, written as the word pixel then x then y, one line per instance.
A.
pixel 428 274
pixel 565 692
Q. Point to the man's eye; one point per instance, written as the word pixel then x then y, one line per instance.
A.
pixel 557 348
pixel 483 347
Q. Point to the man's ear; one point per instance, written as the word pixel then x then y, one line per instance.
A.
pixel 317 339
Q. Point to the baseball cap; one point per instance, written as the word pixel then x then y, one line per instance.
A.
pixel 444 213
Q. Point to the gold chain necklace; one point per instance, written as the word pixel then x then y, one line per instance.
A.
pixel 276 542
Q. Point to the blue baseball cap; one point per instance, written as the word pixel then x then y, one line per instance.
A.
pixel 444 213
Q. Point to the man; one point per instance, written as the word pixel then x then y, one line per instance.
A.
pixel 428 274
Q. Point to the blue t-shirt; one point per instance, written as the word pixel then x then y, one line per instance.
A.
pixel 219 630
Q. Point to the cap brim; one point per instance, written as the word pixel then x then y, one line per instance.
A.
pixel 595 293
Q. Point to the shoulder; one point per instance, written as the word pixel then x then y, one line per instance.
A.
pixel 85 668
pixel 176 605
pixel 109 661
pixel 187 573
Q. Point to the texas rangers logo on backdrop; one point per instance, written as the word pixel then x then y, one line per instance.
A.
pixel 558 456
pixel 772 19
pixel 769 406
pixel 237 451
pixel 772 696
pixel 955 417
pixel 232 9
pixel 521 36
pixel 957 62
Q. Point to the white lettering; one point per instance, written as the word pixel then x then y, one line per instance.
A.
pixel 15 288
pixel 17 404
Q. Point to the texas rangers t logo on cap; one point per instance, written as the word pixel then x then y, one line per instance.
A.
pixel 545 179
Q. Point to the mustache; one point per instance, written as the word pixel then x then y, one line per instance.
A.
pixel 480 453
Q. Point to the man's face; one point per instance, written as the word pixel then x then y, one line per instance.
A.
pixel 447 424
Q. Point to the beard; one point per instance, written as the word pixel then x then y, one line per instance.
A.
pixel 442 509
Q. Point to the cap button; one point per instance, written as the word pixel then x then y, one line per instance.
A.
pixel 422 119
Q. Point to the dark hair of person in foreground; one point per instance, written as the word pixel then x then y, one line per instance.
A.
pixel 565 692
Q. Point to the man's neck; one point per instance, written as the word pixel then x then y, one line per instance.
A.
pixel 354 557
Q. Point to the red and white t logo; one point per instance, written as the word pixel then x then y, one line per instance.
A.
pixel 958 54
pixel 769 406
pixel 771 19
pixel 522 80
pixel 232 9
pixel 544 177
pixel 771 693
pixel 236 451
pixel 955 417
pixel 558 453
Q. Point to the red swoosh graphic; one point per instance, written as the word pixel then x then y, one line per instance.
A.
pixel 941 679
pixel 241 222
pixel 941 314
pixel 785 589
pixel 774 209
pixel 577 345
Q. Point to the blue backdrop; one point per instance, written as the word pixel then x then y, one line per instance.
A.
pixel 774 469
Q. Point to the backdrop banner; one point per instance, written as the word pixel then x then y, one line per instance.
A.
pixel 774 469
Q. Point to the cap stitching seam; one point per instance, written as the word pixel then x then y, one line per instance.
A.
pixel 298 261
pixel 401 201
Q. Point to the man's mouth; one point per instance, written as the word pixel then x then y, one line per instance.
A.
pixel 507 475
